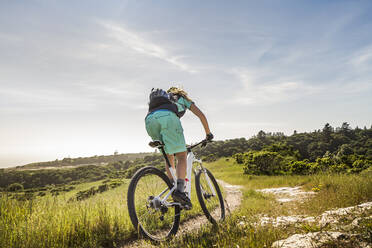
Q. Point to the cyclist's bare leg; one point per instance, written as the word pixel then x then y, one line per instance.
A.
pixel 179 194
pixel 171 161
pixel 181 164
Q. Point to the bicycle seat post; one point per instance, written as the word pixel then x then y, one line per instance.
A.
pixel 160 145
pixel 165 156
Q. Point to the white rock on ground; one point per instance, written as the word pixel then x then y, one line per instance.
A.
pixel 333 216
pixel 328 217
pixel 287 194
pixel 309 240
pixel 358 220
pixel 316 239
pixel 286 220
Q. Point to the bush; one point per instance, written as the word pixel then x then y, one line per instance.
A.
pixel 15 187
pixel 84 194
pixel 239 158
pixel 210 158
pixel 324 163
pixel 264 163
pixel 339 168
pixel 103 188
pixel 115 184
pixel 299 167
pixel 367 172
pixel 360 165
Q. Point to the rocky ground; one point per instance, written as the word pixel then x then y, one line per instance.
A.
pixel 337 228
pixel 343 227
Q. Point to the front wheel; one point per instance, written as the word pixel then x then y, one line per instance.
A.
pixel 209 196
pixel 149 215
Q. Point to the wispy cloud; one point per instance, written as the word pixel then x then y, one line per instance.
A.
pixel 261 87
pixel 141 45
pixel 240 125
pixel 362 59
pixel 9 38
pixel 13 99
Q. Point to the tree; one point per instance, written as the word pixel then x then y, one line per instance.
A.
pixel 261 135
pixel 345 149
pixel 327 131
pixel 346 129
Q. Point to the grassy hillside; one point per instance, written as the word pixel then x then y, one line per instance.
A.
pixel 85 206
pixel 101 219
pixel 41 179
pixel 94 160
pixel 64 220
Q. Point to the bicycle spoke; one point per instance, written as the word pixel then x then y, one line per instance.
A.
pixel 152 219
pixel 211 201
pixel 209 195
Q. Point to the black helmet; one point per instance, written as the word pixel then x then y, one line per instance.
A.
pixel 158 93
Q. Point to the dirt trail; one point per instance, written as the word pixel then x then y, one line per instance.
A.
pixel 233 197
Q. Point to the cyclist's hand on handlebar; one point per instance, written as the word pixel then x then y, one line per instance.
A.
pixel 209 137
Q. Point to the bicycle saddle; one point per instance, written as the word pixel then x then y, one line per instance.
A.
pixel 156 143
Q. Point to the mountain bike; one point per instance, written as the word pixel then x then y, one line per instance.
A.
pixel 151 209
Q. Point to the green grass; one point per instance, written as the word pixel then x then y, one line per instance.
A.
pixel 53 221
pixel 335 191
pixel 103 221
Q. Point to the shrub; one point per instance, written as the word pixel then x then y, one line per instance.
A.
pixel 339 168
pixel 367 172
pixel 323 164
pixel 115 184
pixel 103 188
pixel 210 158
pixel 360 165
pixel 84 194
pixel 239 157
pixel 15 187
pixel 299 167
pixel 264 162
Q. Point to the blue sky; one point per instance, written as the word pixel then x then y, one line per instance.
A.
pixel 75 75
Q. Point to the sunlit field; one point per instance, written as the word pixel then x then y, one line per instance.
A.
pixel 240 230
pixel 56 221
pixel 102 220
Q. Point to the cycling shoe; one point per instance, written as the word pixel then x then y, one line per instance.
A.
pixel 182 198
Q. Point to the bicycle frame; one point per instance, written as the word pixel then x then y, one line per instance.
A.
pixel 190 162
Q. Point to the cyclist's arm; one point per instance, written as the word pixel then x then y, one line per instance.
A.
pixel 201 116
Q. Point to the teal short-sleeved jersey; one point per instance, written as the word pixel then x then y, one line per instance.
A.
pixel 164 125
pixel 183 104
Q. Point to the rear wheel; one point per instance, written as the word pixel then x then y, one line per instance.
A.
pixel 209 196
pixel 149 216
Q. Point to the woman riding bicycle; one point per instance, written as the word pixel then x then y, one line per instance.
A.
pixel 163 123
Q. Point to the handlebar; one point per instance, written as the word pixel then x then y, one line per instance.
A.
pixel 204 142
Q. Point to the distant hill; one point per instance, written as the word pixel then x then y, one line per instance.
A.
pixel 81 161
